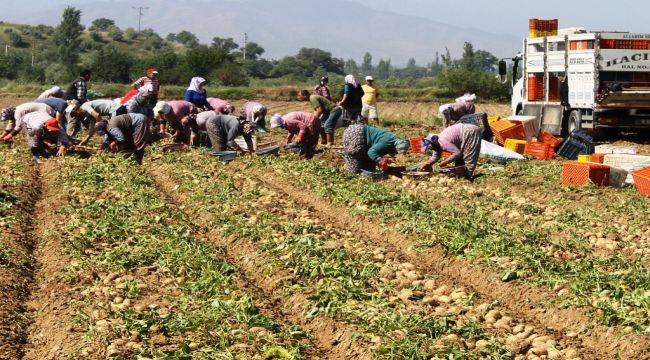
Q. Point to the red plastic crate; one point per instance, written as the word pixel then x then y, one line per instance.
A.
pixel 416 144
pixel 548 138
pixel 503 130
pixel 539 150
pixel 583 174
pixel 642 181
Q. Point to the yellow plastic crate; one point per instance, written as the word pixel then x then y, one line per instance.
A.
pixel 584 158
pixel 518 146
pixel 493 118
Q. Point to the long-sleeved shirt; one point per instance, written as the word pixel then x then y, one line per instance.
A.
pixel 379 142
pixel 17 124
pixel 179 110
pixel 103 107
pixel 78 90
pixel 53 92
pixel 302 124
pixel 324 91
pixel 219 105
pixel 199 99
pixel 233 129
pixel 460 109
pixel 253 110
pixel 155 83
pixel 450 140
pixel 57 104
pixel 35 122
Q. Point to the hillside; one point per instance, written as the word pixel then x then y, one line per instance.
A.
pixel 284 26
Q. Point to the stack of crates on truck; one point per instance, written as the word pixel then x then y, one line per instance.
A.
pixel 541 28
pixel 580 79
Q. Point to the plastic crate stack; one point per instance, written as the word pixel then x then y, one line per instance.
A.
pixel 582 174
pixel 540 28
pixel 416 144
pixel 503 129
pixel 642 181
pixel 530 124
pixel 535 87
pixel 548 138
pixel 578 143
pixel 518 146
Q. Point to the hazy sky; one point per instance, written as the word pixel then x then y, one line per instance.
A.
pixel 511 16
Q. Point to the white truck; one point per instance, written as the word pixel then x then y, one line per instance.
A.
pixel 583 80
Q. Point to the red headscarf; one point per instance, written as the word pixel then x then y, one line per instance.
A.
pixel 52 125
pixel 151 70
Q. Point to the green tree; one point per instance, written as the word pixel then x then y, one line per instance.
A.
pixel 101 24
pixel 110 64
pixel 231 74
pixel 171 37
pixel 130 34
pixel 313 58
pixel 187 38
pixel 366 65
pixel 203 60
pixel 253 51
pixel 384 69
pixel 17 40
pixel 9 65
pixel 468 60
pixel 226 44
pixel 67 38
pixel 96 36
pixel 115 33
pixel 351 67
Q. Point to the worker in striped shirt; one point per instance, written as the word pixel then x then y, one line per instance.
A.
pixel 150 78
pixel 78 90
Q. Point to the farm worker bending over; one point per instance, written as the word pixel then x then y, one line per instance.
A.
pixel 322 89
pixel 463 141
pixel 369 100
pixel 7 114
pixel 351 101
pixel 127 132
pixel 255 113
pixel 43 134
pixel 78 89
pixel 59 106
pixel 53 92
pixel 464 105
pixel 197 95
pixel 326 111
pixel 14 116
pixel 141 102
pixel 365 146
pixel 94 110
pixel 173 113
pixel 224 129
pixel 304 126
pixel 150 79
pixel 221 106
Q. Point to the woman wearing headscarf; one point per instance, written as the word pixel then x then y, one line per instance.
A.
pixel 94 110
pixel 7 114
pixel 127 133
pixel 197 95
pixel 254 113
pixel 224 129
pixel 301 125
pixel 14 116
pixel 451 113
pixel 322 89
pixel 366 147
pixel 221 106
pixel 326 112
pixel 463 141
pixel 351 101
pixel 174 113
pixel 141 102
pixel 151 78
pixel 53 92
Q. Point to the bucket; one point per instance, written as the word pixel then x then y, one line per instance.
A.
pixel 373 175
pixel 268 151
pixel 225 156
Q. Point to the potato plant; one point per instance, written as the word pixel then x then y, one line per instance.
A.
pixel 615 286
pixel 156 291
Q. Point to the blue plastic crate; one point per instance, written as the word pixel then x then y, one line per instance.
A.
pixel 570 149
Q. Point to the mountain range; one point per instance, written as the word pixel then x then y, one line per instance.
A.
pixel 282 27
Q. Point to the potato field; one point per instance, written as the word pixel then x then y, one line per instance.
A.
pixel 186 257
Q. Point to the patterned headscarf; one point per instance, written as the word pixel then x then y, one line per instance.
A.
pixel 402 146
pixel 350 80
pixel 247 126
pixel 277 121
pixel 8 113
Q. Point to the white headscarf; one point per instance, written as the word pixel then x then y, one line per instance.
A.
pixel 350 80
pixel 196 83
pixel 467 98
pixel 277 121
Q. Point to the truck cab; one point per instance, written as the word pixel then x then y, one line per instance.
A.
pixel 583 80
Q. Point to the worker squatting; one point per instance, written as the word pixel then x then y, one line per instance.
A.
pixel 53 121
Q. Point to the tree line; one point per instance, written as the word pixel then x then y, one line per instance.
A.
pixel 119 56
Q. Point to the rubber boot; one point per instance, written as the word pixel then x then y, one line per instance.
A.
pixel 323 138
pixel 330 139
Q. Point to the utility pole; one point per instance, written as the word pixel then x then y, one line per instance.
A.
pixel 33 51
pixel 140 13
pixel 245 43
pixel 7 50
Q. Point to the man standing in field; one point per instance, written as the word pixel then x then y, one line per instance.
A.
pixel 78 90
pixel 369 101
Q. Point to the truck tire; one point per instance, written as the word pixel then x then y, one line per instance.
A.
pixel 572 122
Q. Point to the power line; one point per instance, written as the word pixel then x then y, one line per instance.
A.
pixel 140 13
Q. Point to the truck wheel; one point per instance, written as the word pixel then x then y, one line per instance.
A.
pixel 572 122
